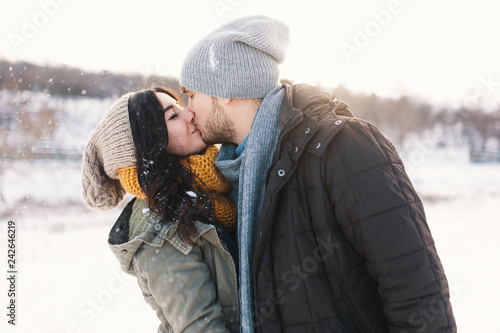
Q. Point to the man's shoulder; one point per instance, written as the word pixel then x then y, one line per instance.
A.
pixel 325 117
pixel 304 96
pixel 315 102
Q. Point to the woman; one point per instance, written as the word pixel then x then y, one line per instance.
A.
pixel 173 236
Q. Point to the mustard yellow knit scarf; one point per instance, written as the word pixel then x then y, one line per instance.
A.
pixel 207 177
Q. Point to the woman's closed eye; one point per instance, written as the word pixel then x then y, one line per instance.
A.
pixel 173 115
pixel 170 109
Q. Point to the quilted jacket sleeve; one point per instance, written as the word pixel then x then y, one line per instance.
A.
pixel 383 218
pixel 179 288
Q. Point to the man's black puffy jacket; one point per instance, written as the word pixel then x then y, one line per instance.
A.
pixel 342 242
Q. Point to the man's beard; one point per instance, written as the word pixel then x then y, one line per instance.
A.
pixel 218 127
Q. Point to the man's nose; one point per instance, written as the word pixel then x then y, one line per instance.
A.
pixel 189 105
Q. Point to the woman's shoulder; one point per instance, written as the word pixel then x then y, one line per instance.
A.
pixel 149 227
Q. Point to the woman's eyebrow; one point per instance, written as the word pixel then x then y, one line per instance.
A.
pixel 168 108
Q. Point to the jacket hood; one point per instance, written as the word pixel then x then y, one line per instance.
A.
pixel 304 107
pixel 307 97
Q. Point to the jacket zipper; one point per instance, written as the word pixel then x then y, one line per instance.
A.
pixel 275 158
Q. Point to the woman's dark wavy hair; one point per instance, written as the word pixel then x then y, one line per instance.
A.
pixel 161 176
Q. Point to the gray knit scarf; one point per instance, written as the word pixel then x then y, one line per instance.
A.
pixel 247 174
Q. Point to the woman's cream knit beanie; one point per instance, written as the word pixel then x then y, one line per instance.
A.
pixel 110 148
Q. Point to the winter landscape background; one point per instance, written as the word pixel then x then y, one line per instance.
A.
pixel 436 60
pixel 69 281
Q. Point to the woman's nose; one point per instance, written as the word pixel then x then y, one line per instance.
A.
pixel 188 115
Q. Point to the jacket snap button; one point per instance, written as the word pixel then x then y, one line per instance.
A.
pixel 281 172
pixel 124 251
pixel 296 149
pixel 260 233
pixel 157 226
pixel 307 130
pixel 318 145
pixel 338 122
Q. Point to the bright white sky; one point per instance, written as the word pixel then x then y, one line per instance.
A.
pixel 443 51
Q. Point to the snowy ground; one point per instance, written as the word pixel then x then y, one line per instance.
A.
pixel 68 280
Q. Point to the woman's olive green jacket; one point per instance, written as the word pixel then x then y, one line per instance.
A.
pixel 191 288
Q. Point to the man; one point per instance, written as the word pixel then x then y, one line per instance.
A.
pixel 332 236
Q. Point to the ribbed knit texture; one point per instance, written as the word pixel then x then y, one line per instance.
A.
pixel 110 147
pixel 130 182
pixel 253 164
pixel 238 60
pixel 203 167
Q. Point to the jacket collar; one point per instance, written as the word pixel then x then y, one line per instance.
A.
pixel 304 108
pixel 155 234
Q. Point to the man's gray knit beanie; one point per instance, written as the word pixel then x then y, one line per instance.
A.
pixel 238 60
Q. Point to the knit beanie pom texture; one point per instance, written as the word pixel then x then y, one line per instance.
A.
pixel 238 60
pixel 110 148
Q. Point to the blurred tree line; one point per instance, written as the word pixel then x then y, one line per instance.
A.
pixel 404 117
pixel 400 118
pixel 38 125
pixel 73 82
